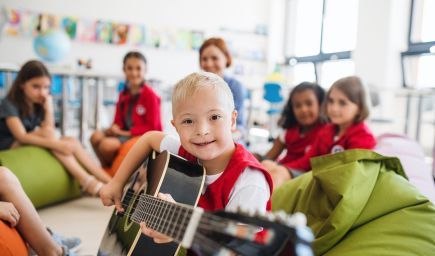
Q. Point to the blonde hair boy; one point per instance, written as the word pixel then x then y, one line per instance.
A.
pixel 203 116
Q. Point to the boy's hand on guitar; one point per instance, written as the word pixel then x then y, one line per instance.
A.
pixel 111 194
pixel 157 237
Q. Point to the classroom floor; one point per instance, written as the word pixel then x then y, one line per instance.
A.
pixel 85 217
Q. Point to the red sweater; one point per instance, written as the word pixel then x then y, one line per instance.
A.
pixel 145 112
pixel 296 144
pixel 356 136
pixel 217 195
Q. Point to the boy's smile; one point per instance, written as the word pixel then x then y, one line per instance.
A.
pixel 204 124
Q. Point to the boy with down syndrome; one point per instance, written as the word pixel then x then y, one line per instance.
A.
pixel 204 118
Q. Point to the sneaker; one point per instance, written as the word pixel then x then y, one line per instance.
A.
pixel 71 243
pixel 67 252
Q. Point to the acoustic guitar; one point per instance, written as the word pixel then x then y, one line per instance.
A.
pixel 203 233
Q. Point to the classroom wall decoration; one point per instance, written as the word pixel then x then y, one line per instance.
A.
pixel 26 23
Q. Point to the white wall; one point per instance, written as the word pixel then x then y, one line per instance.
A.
pixel 170 66
pixel 382 35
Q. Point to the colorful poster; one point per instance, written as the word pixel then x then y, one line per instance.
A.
pixel 153 38
pixel 168 39
pixel 86 30
pixel 29 23
pixel 136 35
pixel 12 27
pixel 120 33
pixel 103 32
pixel 49 21
pixel 197 39
pixel 69 24
pixel 184 40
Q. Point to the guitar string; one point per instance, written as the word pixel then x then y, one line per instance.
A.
pixel 156 221
pixel 208 222
pixel 211 217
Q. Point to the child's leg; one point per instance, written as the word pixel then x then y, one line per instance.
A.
pixel 108 149
pixel 88 182
pixel 84 158
pixel 29 225
pixel 95 140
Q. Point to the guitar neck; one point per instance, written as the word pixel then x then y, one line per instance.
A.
pixel 172 219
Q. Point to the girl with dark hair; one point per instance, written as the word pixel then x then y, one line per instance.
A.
pixel 346 109
pixel 26 118
pixel 137 111
pixel 301 122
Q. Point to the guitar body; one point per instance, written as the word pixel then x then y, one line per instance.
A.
pixel 165 173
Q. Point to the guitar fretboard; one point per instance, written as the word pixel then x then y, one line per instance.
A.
pixel 165 217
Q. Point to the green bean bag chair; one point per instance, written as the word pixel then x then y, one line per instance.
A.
pixel 42 176
pixel 358 202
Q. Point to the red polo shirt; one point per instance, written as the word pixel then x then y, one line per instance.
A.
pixel 145 114
pixel 297 144
pixel 356 136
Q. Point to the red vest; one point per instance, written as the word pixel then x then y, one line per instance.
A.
pixel 217 195
pixel 145 113
pixel 296 144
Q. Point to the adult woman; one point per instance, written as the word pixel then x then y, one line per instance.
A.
pixel 215 57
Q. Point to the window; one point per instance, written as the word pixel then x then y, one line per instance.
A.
pixel 333 70
pixel 304 72
pixel 308 27
pixel 418 61
pixel 339 26
pixel 320 36
pixel 423 20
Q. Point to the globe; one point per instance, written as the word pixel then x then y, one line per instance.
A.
pixel 52 45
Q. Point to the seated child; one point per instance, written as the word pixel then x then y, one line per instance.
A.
pixel 203 116
pixel 301 123
pixel 137 111
pixel 17 210
pixel 346 109
pixel 27 118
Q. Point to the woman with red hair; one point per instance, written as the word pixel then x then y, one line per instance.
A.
pixel 215 57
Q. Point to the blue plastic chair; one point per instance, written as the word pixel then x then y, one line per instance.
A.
pixel 273 95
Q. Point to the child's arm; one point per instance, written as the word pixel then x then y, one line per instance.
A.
pixel 251 192
pixel 28 138
pixel 111 193
pixel 9 213
pixel 116 130
pixel 276 150
pixel 48 121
